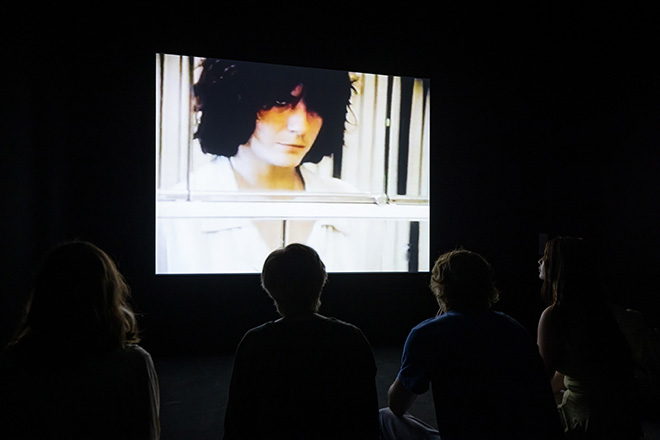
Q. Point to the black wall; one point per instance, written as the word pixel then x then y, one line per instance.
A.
pixel 543 122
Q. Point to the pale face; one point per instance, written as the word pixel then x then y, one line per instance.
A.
pixel 542 268
pixel 284 134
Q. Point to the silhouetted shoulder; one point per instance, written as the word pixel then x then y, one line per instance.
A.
pixel 312 325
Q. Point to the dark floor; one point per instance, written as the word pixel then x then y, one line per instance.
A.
pixel 194 392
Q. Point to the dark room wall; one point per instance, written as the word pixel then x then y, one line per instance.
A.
pixel 547 124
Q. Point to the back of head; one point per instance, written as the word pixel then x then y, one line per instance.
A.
pixel 461 279
pixel 294 277
pixel 80 296
pixel 571 271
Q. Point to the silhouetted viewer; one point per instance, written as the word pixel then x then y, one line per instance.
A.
pixel 487 375
pixel 584 350
pixel 74 369
pixel 304 376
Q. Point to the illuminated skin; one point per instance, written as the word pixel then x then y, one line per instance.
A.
pixel 282 137
pixel 542 268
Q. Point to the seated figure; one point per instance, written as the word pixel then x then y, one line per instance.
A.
pixel 485 369
pixel 303 376
pixel 74 369
pixel 587 356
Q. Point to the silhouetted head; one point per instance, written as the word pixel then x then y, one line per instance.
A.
pixel 462 280
pixel 80 296
pixel 231 94
pixel 570 271
pixel 294 277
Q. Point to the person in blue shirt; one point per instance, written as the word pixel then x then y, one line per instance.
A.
pixel 484 368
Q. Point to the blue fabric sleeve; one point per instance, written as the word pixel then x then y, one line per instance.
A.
pixel 415 361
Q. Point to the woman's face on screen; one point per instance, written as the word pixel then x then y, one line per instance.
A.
pixel 285 132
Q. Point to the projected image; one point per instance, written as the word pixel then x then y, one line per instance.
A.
pixel 251 157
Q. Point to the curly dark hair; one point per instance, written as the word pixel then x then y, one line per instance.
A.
pixel 462 279
pixel 230 94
